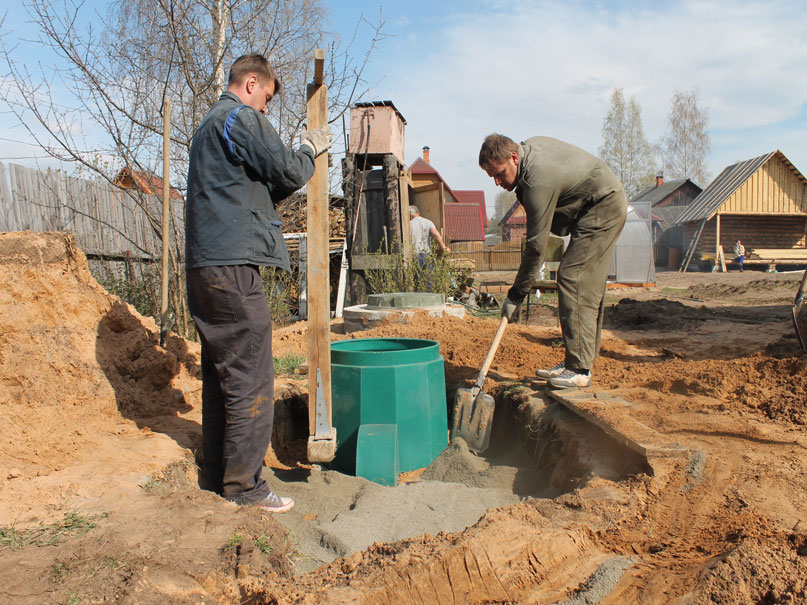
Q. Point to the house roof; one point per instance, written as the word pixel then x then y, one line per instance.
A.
pixel 474 196
pixel 150 184
pixel 655 194
pixel 381 104
pixel 463 223
pixel 726 183
pixel 421 166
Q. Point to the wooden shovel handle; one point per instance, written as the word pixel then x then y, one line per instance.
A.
pixel 802 290
pixel 491 354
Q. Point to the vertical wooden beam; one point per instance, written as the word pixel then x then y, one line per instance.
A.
pixel 717 240
pixel 319 308
pixel 166 217
pixel 393 204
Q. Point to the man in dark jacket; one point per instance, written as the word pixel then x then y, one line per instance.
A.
pixel 566 191
pixel 239 170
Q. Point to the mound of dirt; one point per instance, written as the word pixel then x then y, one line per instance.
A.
pixel 82 381
pixel 100 423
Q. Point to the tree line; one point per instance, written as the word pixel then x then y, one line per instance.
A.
pixel 680 154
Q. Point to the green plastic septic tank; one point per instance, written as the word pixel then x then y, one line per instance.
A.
pixel 398 382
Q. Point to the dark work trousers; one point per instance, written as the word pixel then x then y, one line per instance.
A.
pixel 582 275
pixel 228 305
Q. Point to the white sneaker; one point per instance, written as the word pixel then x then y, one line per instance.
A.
pixel 551 372
pixel 570 379
pixel 276 504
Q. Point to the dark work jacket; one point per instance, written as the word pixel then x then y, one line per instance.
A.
pixel 239 170
pixel 556 182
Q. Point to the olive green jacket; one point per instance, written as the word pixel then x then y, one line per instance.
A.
pixel 555 183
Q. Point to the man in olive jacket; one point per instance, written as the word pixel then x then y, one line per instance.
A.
pixel 239 170
pixel 566 191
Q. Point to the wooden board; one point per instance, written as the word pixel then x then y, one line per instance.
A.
pixel 319 310
pixel 598 408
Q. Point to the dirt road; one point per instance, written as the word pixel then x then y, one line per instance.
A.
pixel 702 501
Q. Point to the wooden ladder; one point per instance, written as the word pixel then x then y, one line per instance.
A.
pixel 693 245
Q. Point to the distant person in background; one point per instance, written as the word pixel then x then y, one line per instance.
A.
pixel 423 231
pixel 739 252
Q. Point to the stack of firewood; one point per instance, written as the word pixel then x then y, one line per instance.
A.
pixel 292 212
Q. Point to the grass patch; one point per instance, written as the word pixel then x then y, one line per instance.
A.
pixel 59 571
pixel 72 599
pixel 73 524
pixel 10 538
pixel 674 290
pixel 234 542
pixel 263 545
pixel 288 364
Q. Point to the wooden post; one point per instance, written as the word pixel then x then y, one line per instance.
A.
pixel 393 204
pixel 717 240
pixel 164 325
pixel 318 275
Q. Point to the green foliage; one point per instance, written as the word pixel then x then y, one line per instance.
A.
pixel 73 524
pixel 142 292
pixel 10 538
pixel 395 273
pixel 72 599
pixel 282 293
pixel 263 545
pixel 287 364
pixel 59 571
pixel 234 541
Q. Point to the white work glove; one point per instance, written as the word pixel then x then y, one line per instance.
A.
pixel 319 139
pixel 511 310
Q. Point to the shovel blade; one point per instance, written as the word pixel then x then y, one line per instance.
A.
pixel 473 417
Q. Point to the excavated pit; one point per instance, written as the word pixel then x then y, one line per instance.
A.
pixel 539 449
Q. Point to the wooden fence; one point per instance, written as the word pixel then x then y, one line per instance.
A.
pixel 107 221
pixel 505 256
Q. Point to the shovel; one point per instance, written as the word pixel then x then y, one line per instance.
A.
pixel 473 410
pixel 800 313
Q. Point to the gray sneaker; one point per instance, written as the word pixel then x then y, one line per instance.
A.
pixel 551 372
pixel 276 504
pixel 571 379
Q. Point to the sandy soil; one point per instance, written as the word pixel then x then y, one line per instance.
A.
pixel 99 498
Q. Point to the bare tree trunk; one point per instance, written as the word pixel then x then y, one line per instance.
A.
pixel 221 18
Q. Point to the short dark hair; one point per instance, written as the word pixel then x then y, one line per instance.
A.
pixel 254 63
pixel 496 148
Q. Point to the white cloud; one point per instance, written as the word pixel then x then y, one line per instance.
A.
pixel 526 68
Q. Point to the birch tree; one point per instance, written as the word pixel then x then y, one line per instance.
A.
pixel 687 142
pixel 101 109
pixel 625 148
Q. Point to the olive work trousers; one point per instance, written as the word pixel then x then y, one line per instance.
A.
pixel 229 308
pixel 582 276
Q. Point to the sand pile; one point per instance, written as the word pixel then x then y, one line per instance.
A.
pixel 83 381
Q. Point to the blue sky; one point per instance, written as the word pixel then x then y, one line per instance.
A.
pixel 459 70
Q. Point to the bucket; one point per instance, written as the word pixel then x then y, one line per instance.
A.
pixel 388 402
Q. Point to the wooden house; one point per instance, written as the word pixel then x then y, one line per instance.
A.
pixel 761 201
pixel 514 223
pixel 459 216
pixel 150 184
pixel 667 200
pixel 430 193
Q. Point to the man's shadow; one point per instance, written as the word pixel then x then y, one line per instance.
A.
pixel 141 373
